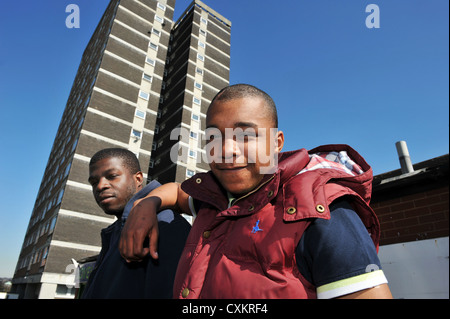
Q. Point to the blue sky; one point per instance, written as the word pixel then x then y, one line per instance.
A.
pixel 333 79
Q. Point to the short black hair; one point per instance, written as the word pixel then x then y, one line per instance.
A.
pixel 242 90
pixel 128 158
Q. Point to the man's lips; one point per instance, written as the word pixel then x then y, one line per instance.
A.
pixel 105 198
pixel 229 168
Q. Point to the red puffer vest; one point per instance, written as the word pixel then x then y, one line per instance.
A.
pixel 248 250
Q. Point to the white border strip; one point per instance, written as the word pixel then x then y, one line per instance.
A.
pixel 351 285
pixel 66 244
pixel 100 219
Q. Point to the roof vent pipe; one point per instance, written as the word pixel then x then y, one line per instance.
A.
pixel 403 156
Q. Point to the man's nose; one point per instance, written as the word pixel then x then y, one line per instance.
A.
pixel 102 184
pixel 230 148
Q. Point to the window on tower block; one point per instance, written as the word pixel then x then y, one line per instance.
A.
pixel 136 134
pixel 140 114
pixel 144 95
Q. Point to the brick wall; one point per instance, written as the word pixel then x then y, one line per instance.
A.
pixel 417 216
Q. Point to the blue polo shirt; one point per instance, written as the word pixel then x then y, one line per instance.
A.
pixel 338 255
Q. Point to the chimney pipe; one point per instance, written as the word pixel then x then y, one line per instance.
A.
pixel 404 158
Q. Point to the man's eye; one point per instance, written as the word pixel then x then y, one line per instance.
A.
pixel 212 134
pixel 245 136
pixel 213 138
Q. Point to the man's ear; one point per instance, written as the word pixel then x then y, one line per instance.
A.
pixel 139 179
pixel 279 142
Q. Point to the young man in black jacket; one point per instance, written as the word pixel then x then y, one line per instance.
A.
pixel 116 181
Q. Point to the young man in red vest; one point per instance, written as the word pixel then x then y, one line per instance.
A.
pixel 268 224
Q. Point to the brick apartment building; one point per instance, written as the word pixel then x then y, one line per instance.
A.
pixel 197 67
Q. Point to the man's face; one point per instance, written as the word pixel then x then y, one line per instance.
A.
pixel 242 143
pixel 113 184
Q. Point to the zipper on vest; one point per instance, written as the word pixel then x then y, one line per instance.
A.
pixel 252 192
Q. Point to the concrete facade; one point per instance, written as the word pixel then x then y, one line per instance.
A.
pixel 198 66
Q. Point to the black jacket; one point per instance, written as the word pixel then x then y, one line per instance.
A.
pixel 113 277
